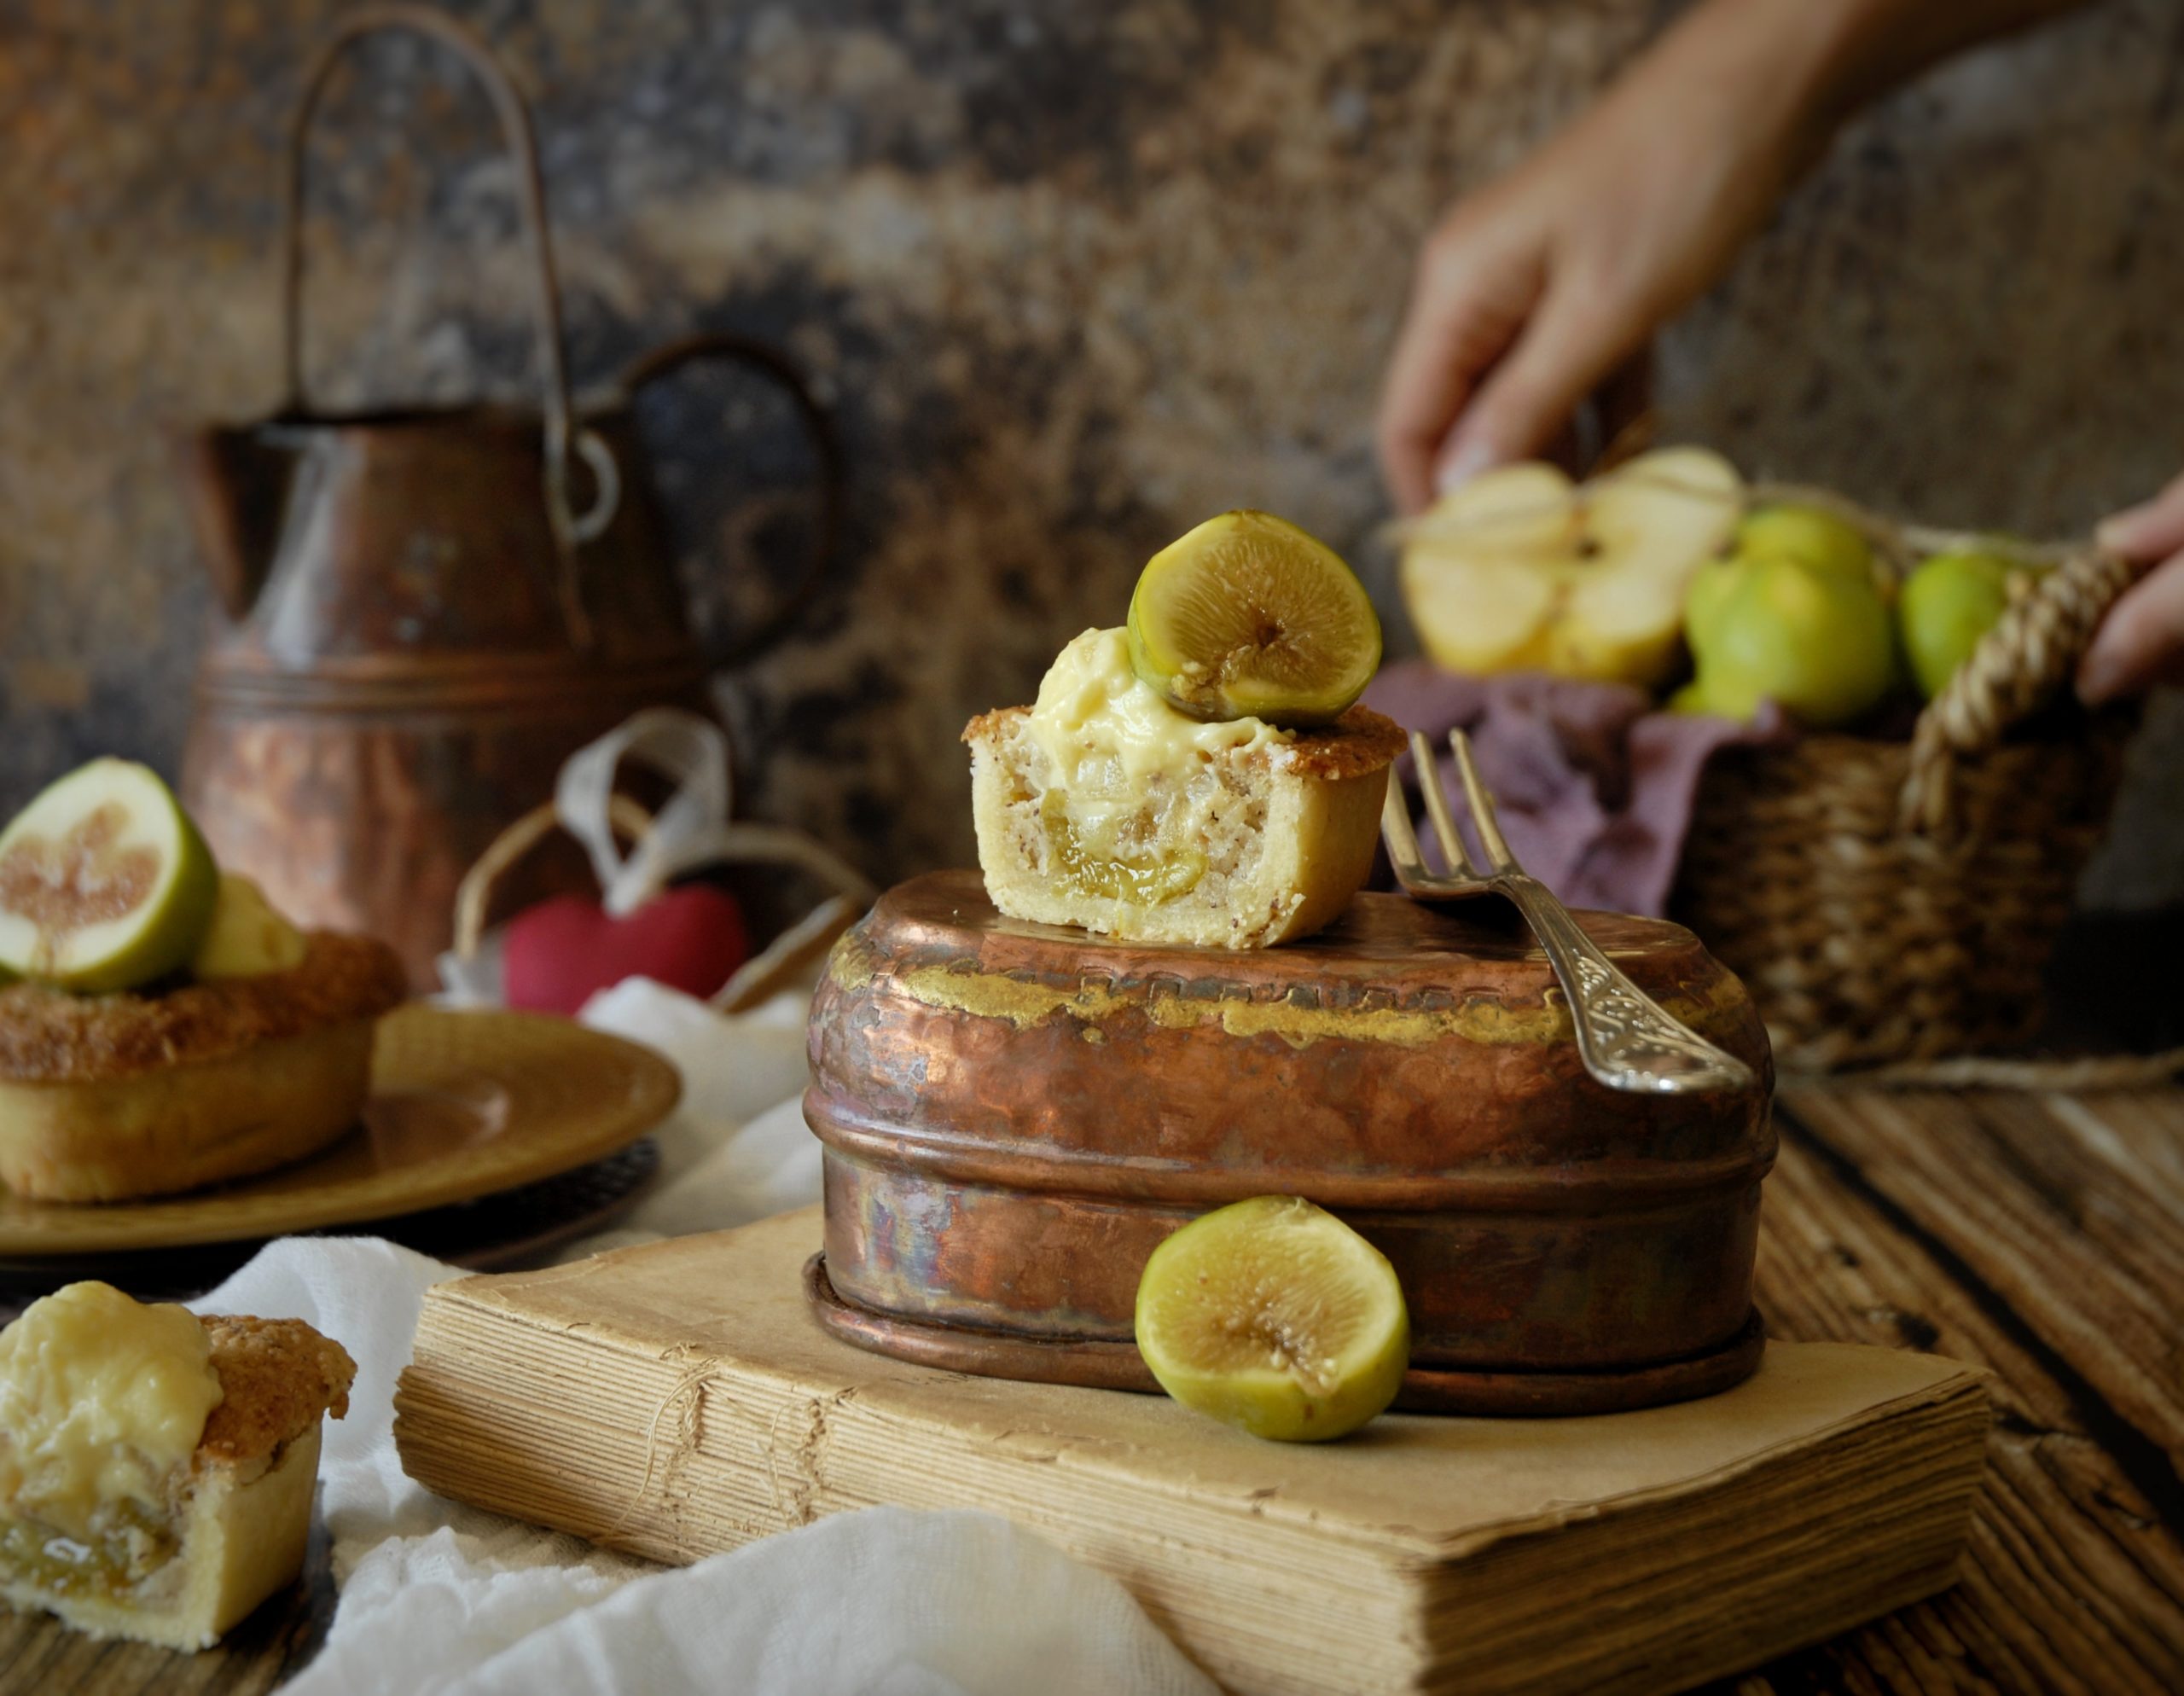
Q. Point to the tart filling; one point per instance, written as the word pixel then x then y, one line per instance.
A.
pixel 156 1469
pixel 1104 807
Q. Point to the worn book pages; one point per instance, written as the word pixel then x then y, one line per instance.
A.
pixel 678 1399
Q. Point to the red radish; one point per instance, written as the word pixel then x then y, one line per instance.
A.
pixel 558 954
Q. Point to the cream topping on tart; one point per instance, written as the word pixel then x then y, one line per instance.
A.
pixel 102 1400
pixel 1102 728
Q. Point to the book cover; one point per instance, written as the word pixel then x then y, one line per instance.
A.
pixel 678 1399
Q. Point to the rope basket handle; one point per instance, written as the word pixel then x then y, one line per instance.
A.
pixel 474 895
pixel 2018 666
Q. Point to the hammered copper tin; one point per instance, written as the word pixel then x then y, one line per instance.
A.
pixel 1014 1116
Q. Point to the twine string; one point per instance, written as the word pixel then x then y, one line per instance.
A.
pixel 681 1404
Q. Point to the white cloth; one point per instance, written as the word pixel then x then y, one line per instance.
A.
pixel 436 1597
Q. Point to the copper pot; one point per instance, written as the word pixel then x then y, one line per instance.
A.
pixel 1014 1116
pixel 428 610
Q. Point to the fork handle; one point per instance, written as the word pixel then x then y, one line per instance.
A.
pixel 1627 1039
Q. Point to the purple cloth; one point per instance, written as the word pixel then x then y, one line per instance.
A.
pixel 1592 786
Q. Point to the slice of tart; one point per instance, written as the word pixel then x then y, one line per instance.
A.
pixel 1104 807
pixel 186 1082
pixel 157 1469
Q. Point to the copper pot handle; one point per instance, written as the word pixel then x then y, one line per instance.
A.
pixel 818 426
pixel 570 528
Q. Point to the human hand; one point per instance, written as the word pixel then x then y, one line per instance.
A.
pixel 2141 643
pixel 1534 291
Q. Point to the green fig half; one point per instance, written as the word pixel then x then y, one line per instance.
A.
pixel 1248 617
pixel 105 883
pixel 1273 1316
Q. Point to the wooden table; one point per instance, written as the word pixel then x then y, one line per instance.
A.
pixel 2040 1237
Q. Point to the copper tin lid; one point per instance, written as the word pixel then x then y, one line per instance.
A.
pixel 1014 1116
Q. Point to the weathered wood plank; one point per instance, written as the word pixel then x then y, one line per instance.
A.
pixel 2140 1131
pixel 2072 1583
pixel 2112 1183
pixel 2042 1238
pixel 2070 1256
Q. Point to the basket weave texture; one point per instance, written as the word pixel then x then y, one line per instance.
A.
pixel 1891 902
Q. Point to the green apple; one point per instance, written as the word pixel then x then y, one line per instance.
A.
pixel 1948 604
pixel 1807 534
pixel 1817 642
pixel 1711 585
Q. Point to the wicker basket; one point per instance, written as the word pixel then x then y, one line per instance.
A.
pixel 1890 902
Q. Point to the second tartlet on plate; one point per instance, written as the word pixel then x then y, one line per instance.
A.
pixel 169 1029
pixel 156 1091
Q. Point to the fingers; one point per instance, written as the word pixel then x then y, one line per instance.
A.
pixel 1573 345
pixel 1467 304
pixel 2142 641
pixel 2153 530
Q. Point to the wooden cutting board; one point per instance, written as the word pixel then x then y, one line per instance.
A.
pixel 678 1399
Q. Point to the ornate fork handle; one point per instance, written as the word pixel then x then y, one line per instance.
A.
pixel 1622 1032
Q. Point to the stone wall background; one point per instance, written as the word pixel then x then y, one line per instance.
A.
pixel 1074 276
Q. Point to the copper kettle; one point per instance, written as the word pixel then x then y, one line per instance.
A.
pixel 429 609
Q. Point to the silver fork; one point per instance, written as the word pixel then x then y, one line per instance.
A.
pixel 1627 1039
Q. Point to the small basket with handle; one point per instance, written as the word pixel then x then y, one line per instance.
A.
pixel 1892 902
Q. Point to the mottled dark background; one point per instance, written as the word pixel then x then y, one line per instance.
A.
pixel 1074 275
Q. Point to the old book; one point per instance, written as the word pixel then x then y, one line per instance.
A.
pixel 678 1399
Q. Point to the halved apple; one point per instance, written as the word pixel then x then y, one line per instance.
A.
pixel 1522 569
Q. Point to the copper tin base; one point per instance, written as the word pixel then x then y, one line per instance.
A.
pixel 1117 1366
pixel 1016 1116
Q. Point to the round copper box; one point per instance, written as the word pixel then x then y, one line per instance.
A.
pixel 1015 1116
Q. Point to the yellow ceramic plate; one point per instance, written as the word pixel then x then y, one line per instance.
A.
pixel 463 1105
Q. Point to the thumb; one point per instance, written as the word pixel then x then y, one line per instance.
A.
pixel 2152 529
pixel 1568 349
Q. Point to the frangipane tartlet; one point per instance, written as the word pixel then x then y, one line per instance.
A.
pixel 157 1469
pixel 149 1092
pixel 1103 806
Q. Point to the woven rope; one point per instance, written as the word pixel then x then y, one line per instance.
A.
pixel 473 896
pixel 1865 942
pixel 2030 655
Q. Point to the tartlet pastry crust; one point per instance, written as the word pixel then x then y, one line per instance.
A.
pixel 277 1378
pixel 1285 833
pixel 238 1516
pixel 49 1035
pixel 107 1098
